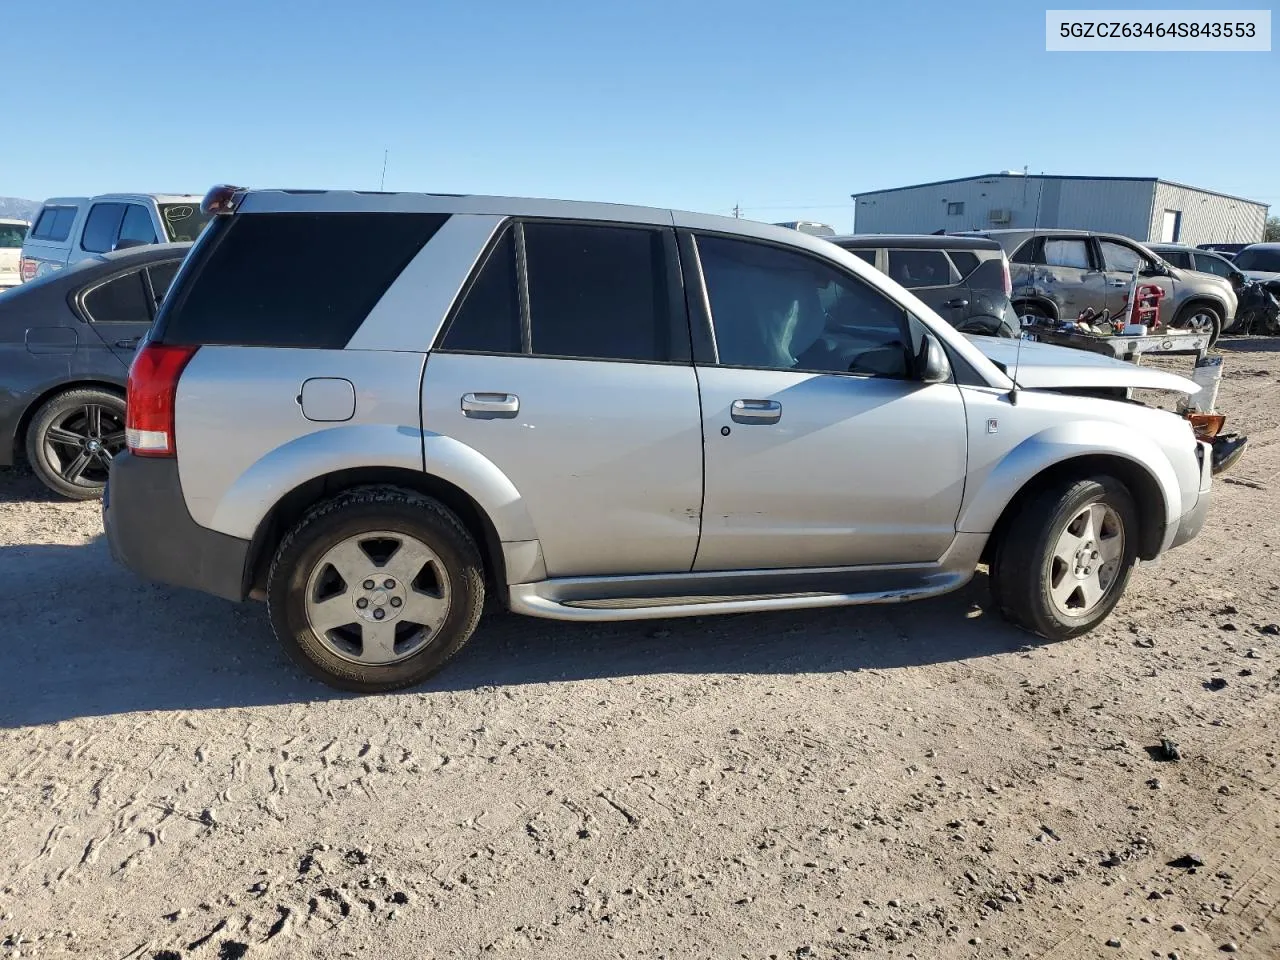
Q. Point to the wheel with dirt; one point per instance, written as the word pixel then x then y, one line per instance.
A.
pixel 375 589
pixel 72 439
pixel 1066 556
pixel 1029 314
pixel 1202 318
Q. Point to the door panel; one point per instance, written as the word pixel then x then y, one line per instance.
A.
pixel 607 456
pixel 1071 278
pixel 120 311
pixel 854 470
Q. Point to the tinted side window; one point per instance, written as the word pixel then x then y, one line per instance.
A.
pixel 1207 263
pixel 919 268
pixel 1067 253
pixel 54 224
pixel 597 292
pixel 867 255
pixel 102 227
pixel 1030 252
pixel 270 278
pixel 137 224
pixel 122 300
pixel 781 310
pixel 1120 258
pixel 489 318
pixel 966 261
pixel 162 275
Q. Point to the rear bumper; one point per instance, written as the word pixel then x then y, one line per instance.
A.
pixel 150 531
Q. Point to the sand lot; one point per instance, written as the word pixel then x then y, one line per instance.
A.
pixel 914 781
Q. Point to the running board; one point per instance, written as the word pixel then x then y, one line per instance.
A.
pixel 741 591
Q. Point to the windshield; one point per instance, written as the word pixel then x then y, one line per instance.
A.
pixel 182 221
pixel 1256 258
pixel 12 235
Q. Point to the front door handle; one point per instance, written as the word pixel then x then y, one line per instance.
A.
pixel 128 344
pixel 1119 283
pixel 957 303
pixel 756 411
pixel 490 406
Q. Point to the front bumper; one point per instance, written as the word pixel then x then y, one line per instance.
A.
pixel 150 531
pixel 1191 522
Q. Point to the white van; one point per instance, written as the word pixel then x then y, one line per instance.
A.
pixel 70 229
pixel 12 233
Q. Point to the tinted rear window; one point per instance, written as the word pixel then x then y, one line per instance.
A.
pixel 182 221
pixel 294 279
pixel 54 224
pixel 966 261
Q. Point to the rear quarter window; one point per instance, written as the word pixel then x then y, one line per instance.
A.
pixel 966 261
pixel 54 224
pixel 292 279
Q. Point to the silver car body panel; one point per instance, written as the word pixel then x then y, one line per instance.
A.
pixel 1048 366
pixel 602 453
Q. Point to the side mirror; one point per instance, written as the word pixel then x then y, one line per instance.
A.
pixel 126 244
pixel 935 367
pixel 1154 270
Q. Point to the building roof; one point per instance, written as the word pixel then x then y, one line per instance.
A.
pixel 1054 176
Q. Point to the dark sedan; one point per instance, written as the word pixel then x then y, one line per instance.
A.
pixel 66 342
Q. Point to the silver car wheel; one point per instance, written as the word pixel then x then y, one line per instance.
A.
pixel 377 598
pixel 1201 322
pixel 1086 560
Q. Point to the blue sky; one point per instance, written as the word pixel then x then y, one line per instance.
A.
pixel 782 108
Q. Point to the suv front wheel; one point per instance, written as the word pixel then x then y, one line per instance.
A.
pixel 1065 559
pixel 1201 318
pixel 375 589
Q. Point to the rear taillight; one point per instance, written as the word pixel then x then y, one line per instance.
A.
pixel 29 268
pixel 152 393
pixel 1008 280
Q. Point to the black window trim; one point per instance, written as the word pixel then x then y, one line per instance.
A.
pixel 677 307
pixel 908 317
pixel 77 299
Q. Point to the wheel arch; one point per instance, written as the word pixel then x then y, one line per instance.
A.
pixel 19 438
pixel 1043 303
pixel 290 508
pixel 1148 497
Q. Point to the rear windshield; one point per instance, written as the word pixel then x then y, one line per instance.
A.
pixel 182 221
pixel 12 235
pixel 1263 261
pixel 291 279
pixel 54 224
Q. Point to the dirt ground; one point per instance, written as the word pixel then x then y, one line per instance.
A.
pixel 916 781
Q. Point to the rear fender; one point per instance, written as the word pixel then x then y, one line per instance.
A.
pixel 315 455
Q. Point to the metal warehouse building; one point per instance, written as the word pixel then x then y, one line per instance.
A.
pixel 1144 208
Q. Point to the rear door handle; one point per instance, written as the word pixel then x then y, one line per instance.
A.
pixel 128 344
pixel 1119 283
pixel 490 406
pixel 756 411
pixel 957 303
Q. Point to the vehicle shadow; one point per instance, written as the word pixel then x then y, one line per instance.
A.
pixel 18 484
pixel 1250 344
pixel 86 638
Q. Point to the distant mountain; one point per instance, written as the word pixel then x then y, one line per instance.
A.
pixel 16 208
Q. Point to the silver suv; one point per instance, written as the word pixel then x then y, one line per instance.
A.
pixel 1057 274
pixel 597 413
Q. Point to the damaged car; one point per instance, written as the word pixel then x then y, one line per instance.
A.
pixel 597 412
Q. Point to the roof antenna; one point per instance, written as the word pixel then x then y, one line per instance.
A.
pixel 1017 357
pixel 382 184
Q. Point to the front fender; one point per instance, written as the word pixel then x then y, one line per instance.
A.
pixel 998 483
pixel 312 456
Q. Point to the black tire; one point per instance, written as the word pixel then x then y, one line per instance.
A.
pixel 1192 310
pixel 1022 571
pixel 1023 310
pixel 350 514
pixel 76 469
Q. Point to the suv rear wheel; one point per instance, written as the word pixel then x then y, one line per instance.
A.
pixel 72 438
pixel 375 589
pixel 1065 558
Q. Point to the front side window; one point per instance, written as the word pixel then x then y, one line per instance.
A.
pixel 137 224
pixel 122 300
pixel 1208 263
pixel 919 268
pixel 1066 253
pixel 1119 258
pixel 102 228
pixel 868 255
pixel 597 292
pixel 12 235
pixel 777 309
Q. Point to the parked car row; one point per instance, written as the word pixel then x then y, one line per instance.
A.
pixel 598 412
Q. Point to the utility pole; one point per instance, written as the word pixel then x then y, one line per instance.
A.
pixel 737 212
